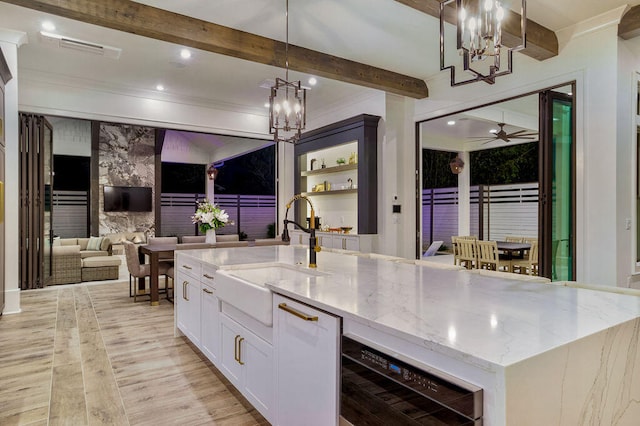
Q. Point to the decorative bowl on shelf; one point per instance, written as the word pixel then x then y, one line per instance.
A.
pixel 346 229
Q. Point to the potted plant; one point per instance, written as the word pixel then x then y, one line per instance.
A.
pixel 209 217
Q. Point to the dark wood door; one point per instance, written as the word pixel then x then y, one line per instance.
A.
pixel 36 136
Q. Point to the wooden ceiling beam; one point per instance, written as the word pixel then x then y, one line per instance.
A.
pixel 159 24
pixel 542 43
pixel 629 26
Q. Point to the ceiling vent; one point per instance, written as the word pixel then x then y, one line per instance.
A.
pixel 56 40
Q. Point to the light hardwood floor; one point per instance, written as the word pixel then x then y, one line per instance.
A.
pixel 87 355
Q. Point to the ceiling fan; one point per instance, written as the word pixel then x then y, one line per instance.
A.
pixel 507 137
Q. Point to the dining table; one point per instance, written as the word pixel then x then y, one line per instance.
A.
pixel 154 251
pixel 166 251
pixel 509 248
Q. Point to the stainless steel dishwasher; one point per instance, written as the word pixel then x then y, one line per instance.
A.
pixel 378 389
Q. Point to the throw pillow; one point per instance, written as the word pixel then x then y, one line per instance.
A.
pixel 94 243
pixel 106 242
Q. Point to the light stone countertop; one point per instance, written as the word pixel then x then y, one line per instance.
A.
pixel 487 321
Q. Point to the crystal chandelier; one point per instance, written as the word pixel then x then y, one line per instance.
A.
pixel 479 38
pixel 287 103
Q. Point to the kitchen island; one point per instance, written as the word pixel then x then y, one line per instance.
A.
pixel 543 354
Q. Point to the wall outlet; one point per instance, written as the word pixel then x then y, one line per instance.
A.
pixel 627 224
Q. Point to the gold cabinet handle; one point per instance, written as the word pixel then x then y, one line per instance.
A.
pixel 206 290
pixel 235 348
pixel 187 267
pixel 207 276
pixel 240 351
pixel 297 313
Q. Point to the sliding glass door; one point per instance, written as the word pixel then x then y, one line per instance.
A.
pixel 557 186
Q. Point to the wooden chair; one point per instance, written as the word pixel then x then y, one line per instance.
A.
pixel 514 239
pixel 468 256
pixel 456 250
pixel 528 265
pixel 137 270
pixel 489 257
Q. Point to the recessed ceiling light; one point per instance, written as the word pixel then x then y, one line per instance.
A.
pixel 493 131
pixel 185 53
pixel 160 87
pixel 266 104
pixel 570 93
pixel 313 81
pixel 48 26
pixel 451 122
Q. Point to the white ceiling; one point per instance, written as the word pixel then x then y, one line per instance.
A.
pixel 382 33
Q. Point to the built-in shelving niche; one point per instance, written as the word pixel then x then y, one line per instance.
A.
pixel 358 134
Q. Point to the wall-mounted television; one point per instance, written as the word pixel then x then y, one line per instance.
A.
pixel 127 199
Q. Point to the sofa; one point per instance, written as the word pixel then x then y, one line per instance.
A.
pixel 100 246
pixel 66 265
pixel 83 259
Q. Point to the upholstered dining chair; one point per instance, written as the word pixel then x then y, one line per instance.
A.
pixel 164 240
pixel 194 239
pixel 170 274
pixel 137 270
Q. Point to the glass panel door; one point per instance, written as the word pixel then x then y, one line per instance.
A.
pixel 557 195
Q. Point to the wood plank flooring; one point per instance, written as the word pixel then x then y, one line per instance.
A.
pixel 87 355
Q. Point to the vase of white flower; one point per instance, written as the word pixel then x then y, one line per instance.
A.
pixel 209 217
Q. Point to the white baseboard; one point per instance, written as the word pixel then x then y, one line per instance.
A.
pixel 12 302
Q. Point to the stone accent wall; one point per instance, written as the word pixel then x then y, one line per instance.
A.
pixel 126 158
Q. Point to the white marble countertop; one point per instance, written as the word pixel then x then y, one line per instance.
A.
pixel 491 322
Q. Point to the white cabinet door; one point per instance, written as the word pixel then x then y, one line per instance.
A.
pixel 346 242
pixel 352 243
pixel 210 324
pixel 257 356
pixel 187 300
pixel 247 361
pixel 306 343
pixel 230 333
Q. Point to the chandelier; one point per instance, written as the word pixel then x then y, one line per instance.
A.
pixel 479 38
pixel 287 103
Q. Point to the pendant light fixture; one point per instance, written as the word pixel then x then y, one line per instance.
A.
pixel 287 103
pixel 456 164
pixel 479 26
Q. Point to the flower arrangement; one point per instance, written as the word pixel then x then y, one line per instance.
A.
pixel 209 216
